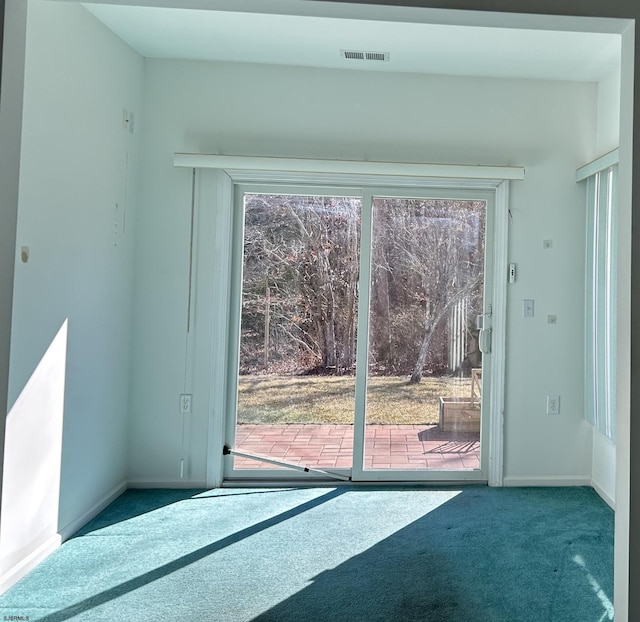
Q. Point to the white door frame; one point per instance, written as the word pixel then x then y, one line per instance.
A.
pixel 212 274
pixel 359 473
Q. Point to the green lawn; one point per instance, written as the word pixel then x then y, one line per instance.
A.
pixel 330 399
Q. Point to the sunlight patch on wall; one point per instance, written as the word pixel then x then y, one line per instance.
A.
pixel 32 458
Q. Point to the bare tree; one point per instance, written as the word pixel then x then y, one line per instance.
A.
pixel 433 252
pixel 300 281
pixel 307 250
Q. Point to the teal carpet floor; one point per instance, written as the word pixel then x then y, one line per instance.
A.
pixel 332 554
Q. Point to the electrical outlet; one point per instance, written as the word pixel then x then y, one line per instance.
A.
pixel 185 404
pixel 553 404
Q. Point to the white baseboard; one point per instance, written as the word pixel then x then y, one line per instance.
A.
pixel 26 565
pixel 547 481
pixel 167 483
pixel 68 530
pixel 608 499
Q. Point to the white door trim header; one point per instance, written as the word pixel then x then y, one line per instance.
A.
pixel 353 167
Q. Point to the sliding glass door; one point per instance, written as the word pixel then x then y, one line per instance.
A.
pixel 423 393
pixel 297 350
pixel 357 350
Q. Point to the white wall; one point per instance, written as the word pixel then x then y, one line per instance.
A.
pixel 608 130
pixel 13 21
pixel 68 420
pixel 603 471
pixel 608 138
pixel 548 127
pixel 627 542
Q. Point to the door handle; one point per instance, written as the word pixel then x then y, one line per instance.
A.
pixel 484 341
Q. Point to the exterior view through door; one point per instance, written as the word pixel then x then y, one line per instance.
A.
pixel 359 349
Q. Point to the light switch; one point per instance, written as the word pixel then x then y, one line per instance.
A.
pixel 527 308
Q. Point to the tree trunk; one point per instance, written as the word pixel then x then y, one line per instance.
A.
pixel 430 326
pixel 351 302
pixel 381 302
pixel 330 343
pixel 267 322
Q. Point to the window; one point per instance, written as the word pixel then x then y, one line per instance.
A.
pixel 600 321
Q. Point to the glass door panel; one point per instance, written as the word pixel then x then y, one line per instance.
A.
pixel 298 317
pixel 424 372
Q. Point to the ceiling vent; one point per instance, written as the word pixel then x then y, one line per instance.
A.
pixel 363 55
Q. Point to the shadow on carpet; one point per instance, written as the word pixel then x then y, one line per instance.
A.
pixel 359 554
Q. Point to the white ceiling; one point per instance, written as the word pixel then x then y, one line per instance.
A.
pixel 317 41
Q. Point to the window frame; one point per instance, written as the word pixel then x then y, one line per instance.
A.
pixel 601 261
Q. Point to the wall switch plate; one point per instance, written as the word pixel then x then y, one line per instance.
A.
pixel 552 319
pixel 553 404
pixel 527 308
pixel 185 404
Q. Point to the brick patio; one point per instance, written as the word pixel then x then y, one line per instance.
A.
pixel 331 446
